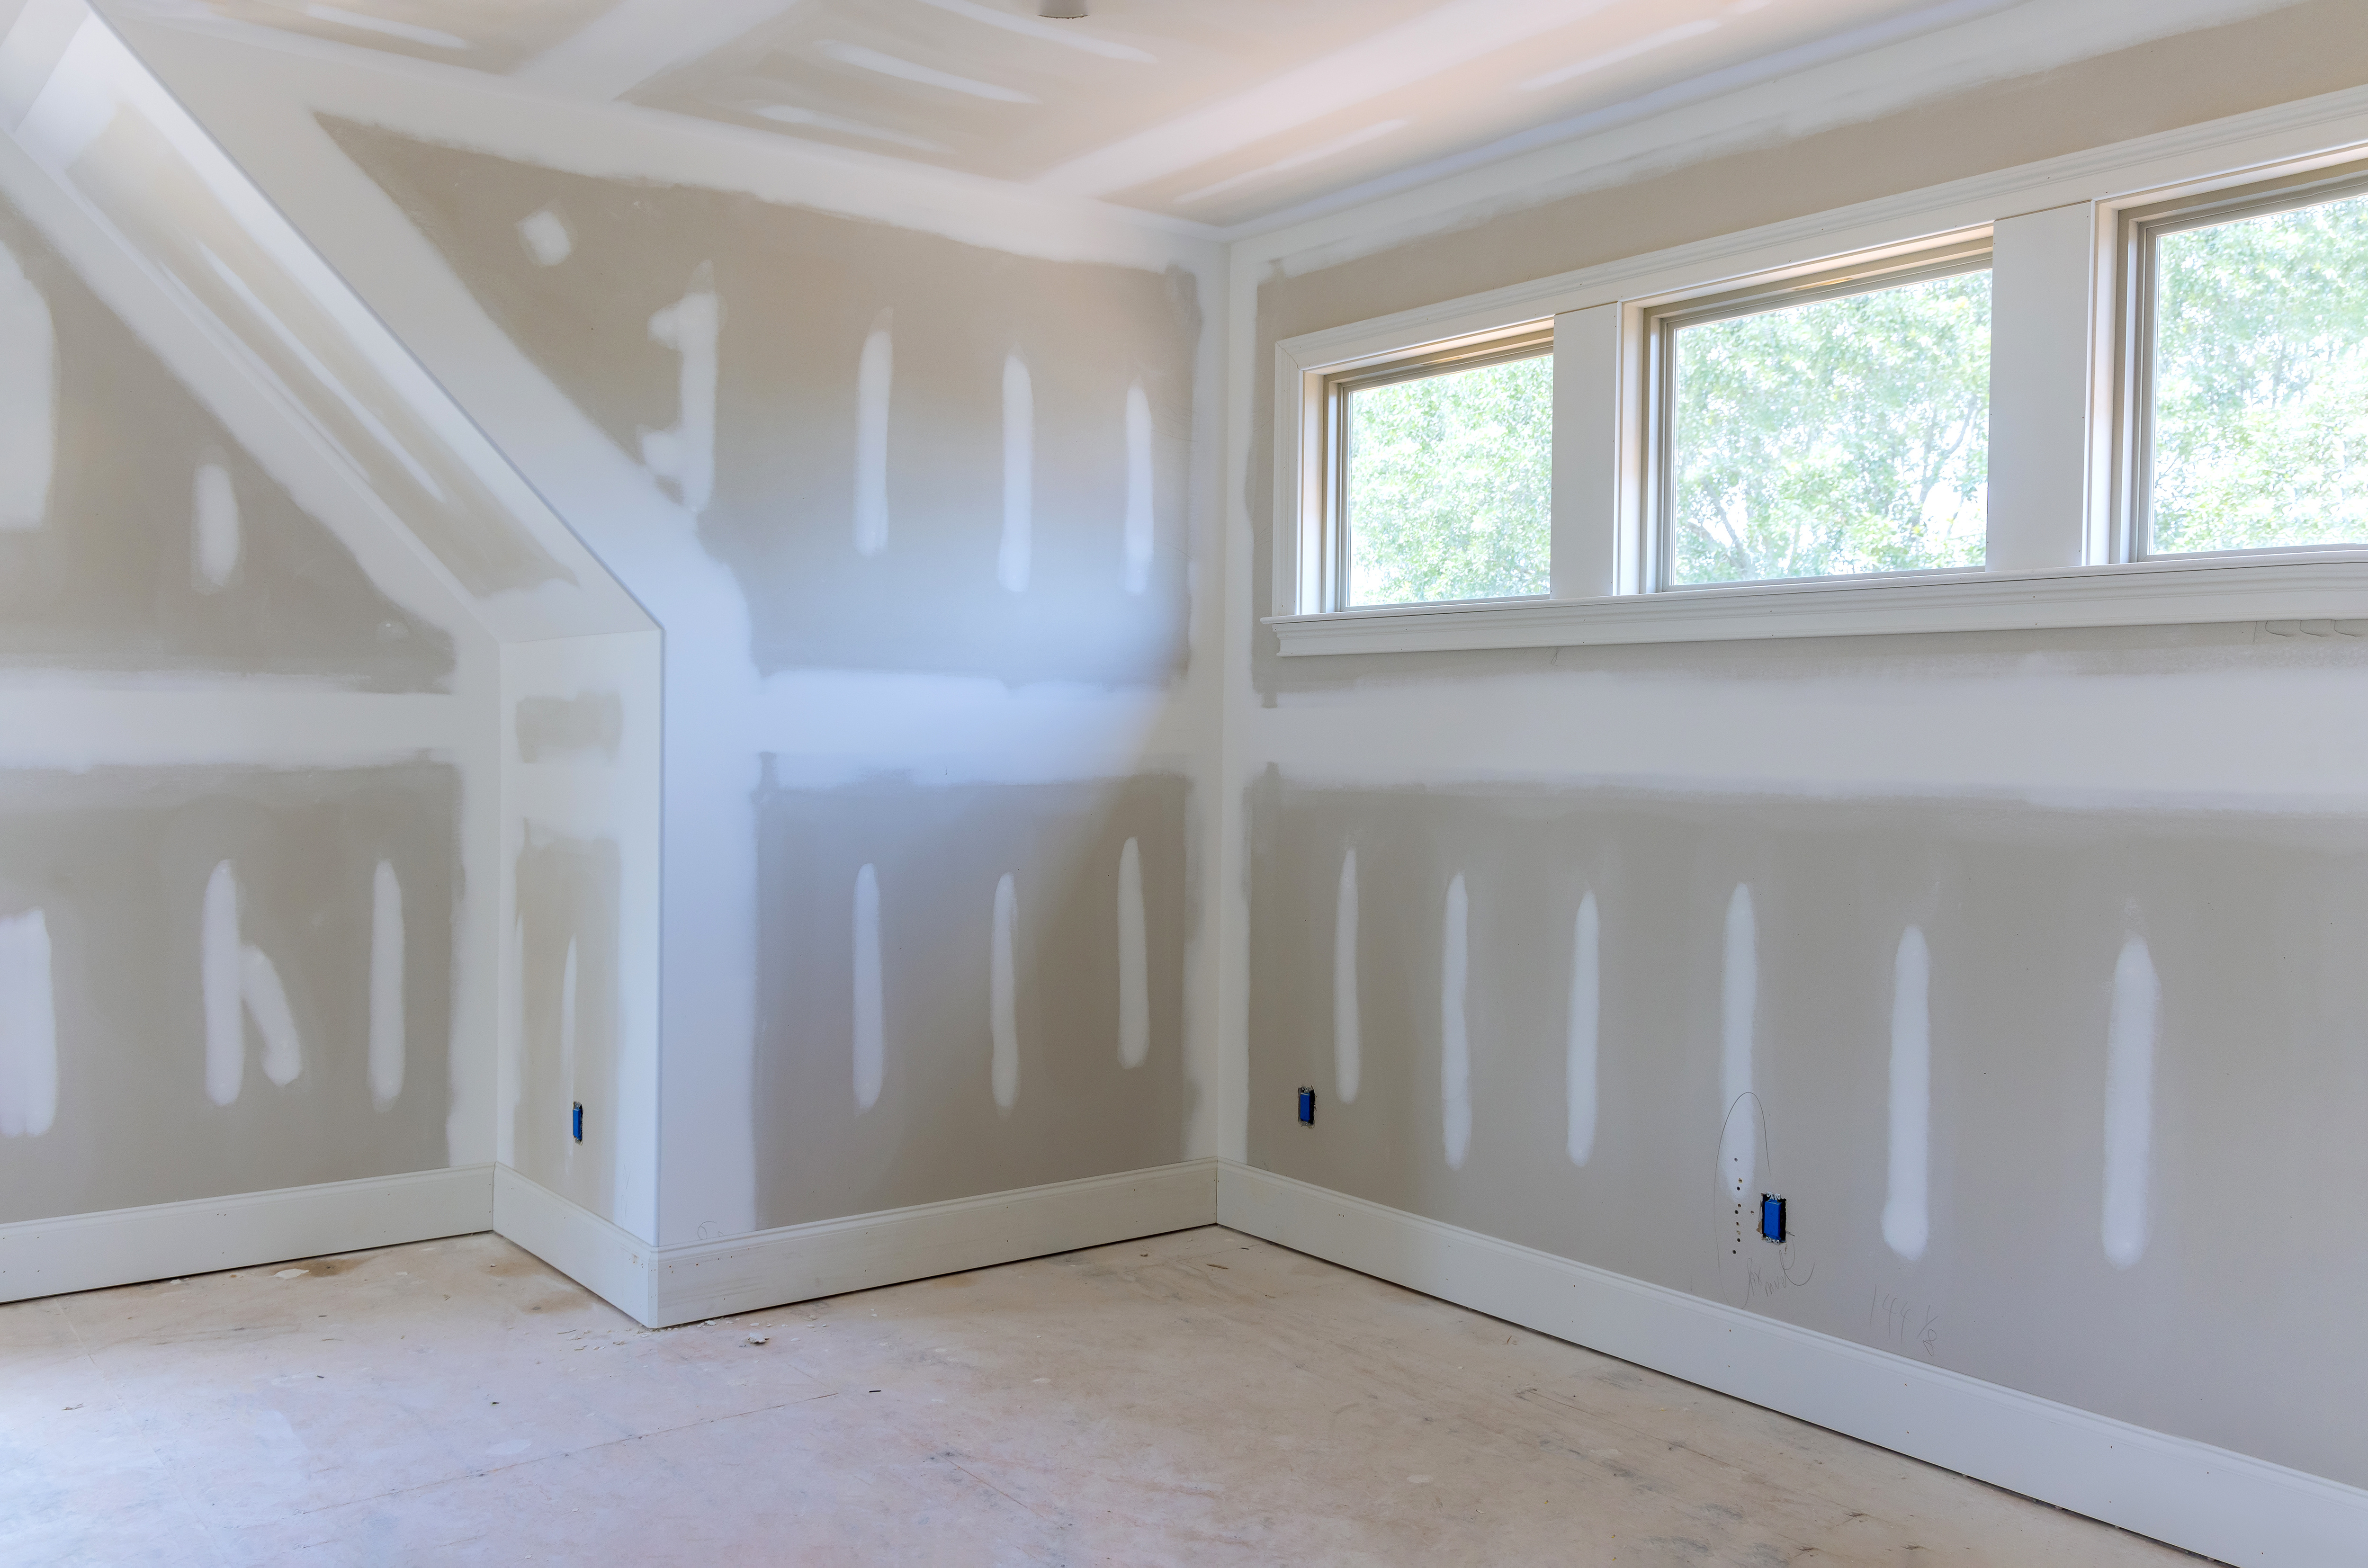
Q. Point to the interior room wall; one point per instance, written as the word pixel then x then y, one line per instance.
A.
pixel 260 578
pixel 236 783
pixel 912 476
pixel 2019 962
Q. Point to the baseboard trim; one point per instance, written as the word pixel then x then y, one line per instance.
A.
pixel 606 1259
pixel 2224 1504
pixel 163 1241
pixel 660 1287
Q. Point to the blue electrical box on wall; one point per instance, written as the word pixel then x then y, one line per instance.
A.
pixel 1307 1108
pixel 1771 1216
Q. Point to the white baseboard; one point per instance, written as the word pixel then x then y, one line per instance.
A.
pixel 663 1286
pixel 125 1247
pixel 610 1262
pixel 2224 1504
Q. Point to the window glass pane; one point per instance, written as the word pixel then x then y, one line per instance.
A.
pixel 1844 435
pixel 1449 481
pixel 2260 382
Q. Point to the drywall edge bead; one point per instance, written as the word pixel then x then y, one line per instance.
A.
pixel 127 1246
pixel 2227 1506
pixel 660 1287
pixel 2325 598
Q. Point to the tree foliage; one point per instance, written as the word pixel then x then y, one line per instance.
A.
pixel 1851 434
pixel 2260 382
pixel 1450 480
pixel 1844 435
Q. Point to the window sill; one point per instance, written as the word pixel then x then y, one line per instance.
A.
pixel 2156 593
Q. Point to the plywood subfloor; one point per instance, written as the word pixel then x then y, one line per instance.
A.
pixel 1201 1397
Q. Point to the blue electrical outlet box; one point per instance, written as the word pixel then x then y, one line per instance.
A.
pixel 577 1120
pixel 1307 1108
pixel 1771 1216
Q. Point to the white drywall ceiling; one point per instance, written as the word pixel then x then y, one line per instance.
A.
pixel 1218 111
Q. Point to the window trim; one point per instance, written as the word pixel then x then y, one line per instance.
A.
pixel 2062 567
pixel 1660 324
pixel 2139 228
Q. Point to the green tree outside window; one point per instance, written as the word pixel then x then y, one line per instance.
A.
pixel 2260 382
pixel 1845 435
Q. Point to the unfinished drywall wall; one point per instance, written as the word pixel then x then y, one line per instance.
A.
pixel 922 456
pixel 877 429
pixel 2018 962
pixel 258 572
pixel 579 893
pixel 155 541
pixel 227 944
pixel 967 989
pixel 909 478
pixel 1746 1017
pixel 223 981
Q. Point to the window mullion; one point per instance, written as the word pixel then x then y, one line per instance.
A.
pixel 1588 459
pixel 2043 273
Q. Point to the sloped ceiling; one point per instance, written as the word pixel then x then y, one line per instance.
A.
pixel 1217 111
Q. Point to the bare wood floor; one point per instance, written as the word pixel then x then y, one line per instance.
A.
pixel 1201 1397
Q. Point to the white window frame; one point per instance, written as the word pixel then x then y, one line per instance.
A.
pixel 1326 548
pixel 1659 324
pixel 2058 546
pixel 2137 227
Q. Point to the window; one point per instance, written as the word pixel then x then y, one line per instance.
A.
pixel 1444 469
pixel 2247 369
pixel 2129 394
pixel 1836 426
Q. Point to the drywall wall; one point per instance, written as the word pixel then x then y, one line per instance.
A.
pixel 242 976
pixel 2018 962
pixel 1016 1015
pixel 258 575
pixel 876 429
pixel 232 822
pixel 150 538
pixel 580 877
pixel 2047 1089
pixel 910 475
